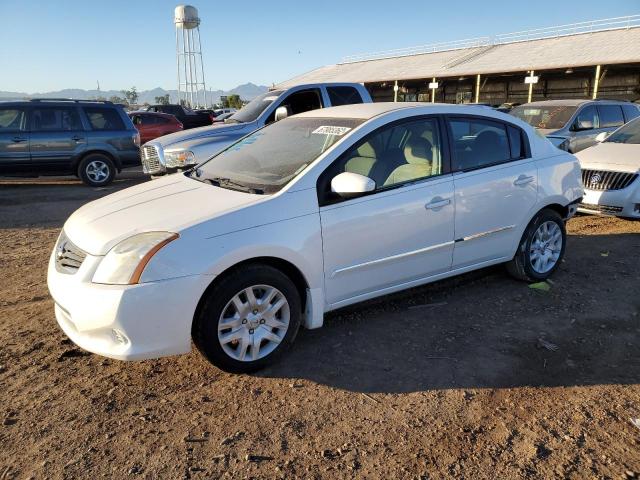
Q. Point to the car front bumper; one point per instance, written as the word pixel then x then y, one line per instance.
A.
pixel 125 322
pixel 622 203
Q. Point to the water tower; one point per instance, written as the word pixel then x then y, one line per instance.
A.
pixel 191 87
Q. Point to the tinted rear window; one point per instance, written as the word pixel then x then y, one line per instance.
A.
pixel 343 95
pixel 104 118
pixel 630 112
pixel 610 116
pixel 56 119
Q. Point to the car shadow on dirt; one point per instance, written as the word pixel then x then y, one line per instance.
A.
pixel 485 330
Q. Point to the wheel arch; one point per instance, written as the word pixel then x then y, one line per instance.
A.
pixel 106 153
pixel 285 266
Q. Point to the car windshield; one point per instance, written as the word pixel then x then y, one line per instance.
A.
pixel 547 117
pixel 266 160
pixel 252 110
pixel 629 133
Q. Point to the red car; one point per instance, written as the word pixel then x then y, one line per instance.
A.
pixel 153 125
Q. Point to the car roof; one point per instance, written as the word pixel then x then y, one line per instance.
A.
pixel 366 111
pixel 155 114
pixel 58 103
pixel 573 102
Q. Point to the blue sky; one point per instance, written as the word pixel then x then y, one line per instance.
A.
pixel 50 45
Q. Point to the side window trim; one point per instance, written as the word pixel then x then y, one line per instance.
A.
pixel 451 147
pixel 445 159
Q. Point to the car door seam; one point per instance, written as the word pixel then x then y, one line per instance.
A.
pixel 390 258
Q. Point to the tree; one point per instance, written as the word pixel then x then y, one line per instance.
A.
pixel 131 95
pixel 116 99
pixel 163 99
pixel 232 101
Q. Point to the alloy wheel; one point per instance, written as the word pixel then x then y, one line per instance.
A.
pixel 97 171
pixel 546 247
pixel 253 323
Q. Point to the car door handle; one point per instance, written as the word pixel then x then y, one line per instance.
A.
pixel 18 139
pixel 77 138
pixel 523 180
pixel 437 203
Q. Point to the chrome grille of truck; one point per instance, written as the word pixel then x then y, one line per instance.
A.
pixel 604 180
pixel 150 159
pixel 68 257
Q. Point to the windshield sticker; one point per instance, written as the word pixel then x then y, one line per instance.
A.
pixel 245 141
pixel 331 130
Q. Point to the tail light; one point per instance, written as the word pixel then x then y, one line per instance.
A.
pixel 136 139
pixel 180 126
pixel 211 117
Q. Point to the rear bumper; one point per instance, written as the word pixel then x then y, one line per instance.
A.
pixel 125 322
pixel 130 158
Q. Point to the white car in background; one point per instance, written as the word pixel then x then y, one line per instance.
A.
pixel 611 171
pixel 312 213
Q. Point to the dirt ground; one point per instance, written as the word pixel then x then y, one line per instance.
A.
pixel 474 377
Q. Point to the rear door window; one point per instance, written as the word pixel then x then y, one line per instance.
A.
pixel 101 118
pixel 610 116
pixel 12 119
pixel 630 112
pixel 343 95
pixel 55 119
pixel 478 143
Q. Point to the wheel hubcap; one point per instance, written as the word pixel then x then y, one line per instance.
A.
pixel 546 247
pixel 253 323
pixel 97 171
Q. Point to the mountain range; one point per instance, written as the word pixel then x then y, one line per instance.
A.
pixel 246 91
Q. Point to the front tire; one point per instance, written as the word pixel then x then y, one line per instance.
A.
pixel 96 170
pixel 248 319
pixel 541 248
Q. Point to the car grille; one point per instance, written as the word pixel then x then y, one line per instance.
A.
pixel 604 209
pixel 68 257
pixel 150 159
pixel 604 180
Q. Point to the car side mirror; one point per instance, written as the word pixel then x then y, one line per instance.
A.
pixel 282 113
pixel 349 184
pixel 601 137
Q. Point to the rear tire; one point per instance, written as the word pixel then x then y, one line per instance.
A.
pixel 541 248
pixel 248 319
pixel 96 170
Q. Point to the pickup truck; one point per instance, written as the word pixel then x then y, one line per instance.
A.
pixel 183 150
pixel 187 117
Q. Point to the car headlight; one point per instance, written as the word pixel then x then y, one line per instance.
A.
pixel 179 158
pixel 124 263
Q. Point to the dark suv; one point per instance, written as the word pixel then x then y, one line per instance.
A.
pixel 90 139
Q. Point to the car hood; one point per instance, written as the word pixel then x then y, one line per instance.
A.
pixel 549 131
pixel 618 157
pixel 172 203
pixel 198 135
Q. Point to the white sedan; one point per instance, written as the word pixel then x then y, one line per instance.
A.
pixel 311 213
pixel 611 171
